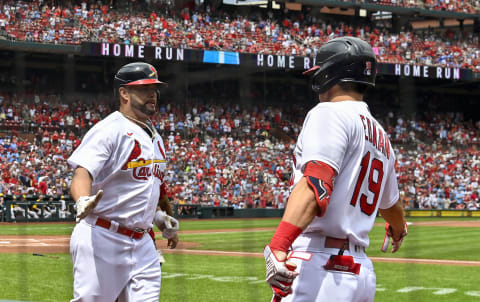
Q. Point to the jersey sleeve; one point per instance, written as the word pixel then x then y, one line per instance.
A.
pixel 324 138
pixel 94 151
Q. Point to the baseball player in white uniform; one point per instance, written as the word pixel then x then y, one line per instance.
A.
pixel 119 188
pixel 343 174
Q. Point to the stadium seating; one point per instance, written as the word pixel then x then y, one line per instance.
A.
pixel 223 155
pixel 70 24
pixel 233 154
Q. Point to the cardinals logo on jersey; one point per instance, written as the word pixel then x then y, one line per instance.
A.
pixel 142 168
pixel 136 151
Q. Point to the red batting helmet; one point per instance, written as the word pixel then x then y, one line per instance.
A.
pixel 138 73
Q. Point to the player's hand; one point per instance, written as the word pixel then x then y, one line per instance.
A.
pixel 279 273
pixel 167 224
pixel 159 219
pixel 171 228
pixel 86 204
pixel 172 242
pixel 397 240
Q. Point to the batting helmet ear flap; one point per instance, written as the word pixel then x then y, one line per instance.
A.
pixel 322 81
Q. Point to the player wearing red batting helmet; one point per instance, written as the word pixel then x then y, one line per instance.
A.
pixel 120 190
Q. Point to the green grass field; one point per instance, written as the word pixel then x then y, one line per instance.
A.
pixel 226 278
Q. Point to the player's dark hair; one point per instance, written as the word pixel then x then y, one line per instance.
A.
pixel 352 86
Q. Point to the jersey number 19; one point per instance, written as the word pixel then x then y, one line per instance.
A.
pixel 374 186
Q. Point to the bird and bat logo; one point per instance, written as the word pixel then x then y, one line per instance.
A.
pixel 142 168
pixel 154 72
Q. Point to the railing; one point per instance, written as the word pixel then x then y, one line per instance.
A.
pixel 13 210
pixel 63 210
pixel 441 213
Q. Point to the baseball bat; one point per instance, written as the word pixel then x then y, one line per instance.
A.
pixel 48 256
pixel 386 241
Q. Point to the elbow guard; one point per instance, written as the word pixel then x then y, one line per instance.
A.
pixel 320 178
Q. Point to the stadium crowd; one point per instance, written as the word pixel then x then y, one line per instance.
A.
pixel 464 6
pixel 218 155
pixel 292 33
pixel 222 154
pixel 444 177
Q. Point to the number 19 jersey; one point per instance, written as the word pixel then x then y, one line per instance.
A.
pixel 345 136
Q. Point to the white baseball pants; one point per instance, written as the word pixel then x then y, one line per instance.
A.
pixel 315 284
pixel 108 265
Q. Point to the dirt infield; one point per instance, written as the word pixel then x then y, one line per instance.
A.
pixel 60 244
pixel 57 244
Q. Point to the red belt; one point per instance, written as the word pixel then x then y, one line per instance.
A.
pixel 121 230
pixel 338 243
pixel 340 262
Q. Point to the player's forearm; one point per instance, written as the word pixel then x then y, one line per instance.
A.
pixel 81 183
pixel 302 206
pixel 394 216
pixel 164 204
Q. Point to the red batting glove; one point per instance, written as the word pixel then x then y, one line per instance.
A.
pixel 396 243
pixel 278 293
pixel 279 274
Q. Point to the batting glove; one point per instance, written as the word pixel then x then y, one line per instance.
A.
pixel 279 274
pixel 86 204
pixel 396 243
pixel 167 224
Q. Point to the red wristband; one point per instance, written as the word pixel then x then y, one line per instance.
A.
pixel 284 236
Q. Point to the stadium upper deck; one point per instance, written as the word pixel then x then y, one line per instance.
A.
pixel 290 33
